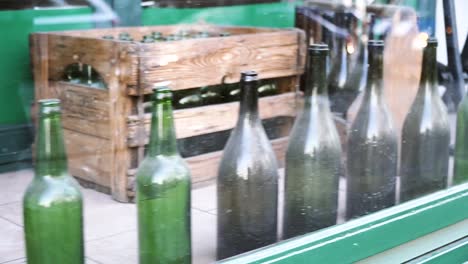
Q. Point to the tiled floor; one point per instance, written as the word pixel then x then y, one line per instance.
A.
pixel 110 227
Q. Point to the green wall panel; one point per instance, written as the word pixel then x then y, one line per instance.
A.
pixel 261 15
pixel 16 86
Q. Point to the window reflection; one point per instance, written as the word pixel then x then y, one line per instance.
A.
pixel 290 132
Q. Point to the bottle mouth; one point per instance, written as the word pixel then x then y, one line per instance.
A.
pixel 432 42
pixel 375 43
pixel 48 106
pixel 318 49
pixel 162 93
pixel 249 76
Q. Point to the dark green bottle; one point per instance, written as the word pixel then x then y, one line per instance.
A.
pixel 339 68
pixel 460 173
pixel 313 157
pixel 52 204
pixel 342 94
pixel 92 78
pixel 372 146
pixel 247 181
pixel 74 73
pixel 267 89
pixel 163 192
pixel 425 137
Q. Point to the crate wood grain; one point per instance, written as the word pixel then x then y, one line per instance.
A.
pixel 106 130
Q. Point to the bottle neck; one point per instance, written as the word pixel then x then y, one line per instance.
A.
pixel 340 44
pixel 249 101
pixel 374 84
pixel 316 82
pixel 429 70
pixel 51 157
pixel 162 135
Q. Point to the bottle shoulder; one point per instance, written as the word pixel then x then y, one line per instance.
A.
pixel 372 123
pixel 162 169
pixel 463 108
pixel 427 116
pixel 47 191
pixel 248 154
pixel 249 138
pixel 312 134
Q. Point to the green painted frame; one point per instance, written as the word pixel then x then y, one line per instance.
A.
pixel 372 234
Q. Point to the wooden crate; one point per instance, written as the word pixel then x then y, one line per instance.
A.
pixel 106 130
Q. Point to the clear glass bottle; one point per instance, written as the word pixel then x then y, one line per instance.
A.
pixel 425 136
pixel 313 157
pixel 247 183
pixel 372 146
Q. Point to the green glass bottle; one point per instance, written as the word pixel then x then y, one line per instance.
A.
pixel 247 181
pixel 425 136
pixel 163 191
pixel 124 36
pixel 52 204
pixel 372 146
pixel 460 173
pixel 202 34
pixel 267 89
pixel 148 39
pixel 157 36
pixel 211 94
pixel 313 157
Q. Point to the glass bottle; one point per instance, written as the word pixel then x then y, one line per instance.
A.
pixel 247 184
pixel 163 191
pixel 313 157
pixel 425 136
pixel 52 204
pixel 339 68
pixel 211 94
pixel 148 39
pixel 372 146
pixel 74 73
pixel 157 36
pixel 460 173
pixel 268 88
pixel 342 94
pixel 188 98
pixel 92 78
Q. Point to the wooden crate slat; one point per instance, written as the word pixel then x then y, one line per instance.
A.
pixel 89 157
pixel 139 32
pixel 213 118
pixel 205 167
pixel 270 54
pixel 84 109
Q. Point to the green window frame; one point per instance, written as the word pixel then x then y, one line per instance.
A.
pixel 443 214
